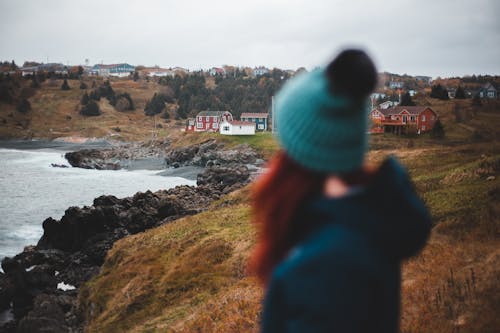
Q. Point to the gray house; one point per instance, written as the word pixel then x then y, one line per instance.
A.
pixel 488 91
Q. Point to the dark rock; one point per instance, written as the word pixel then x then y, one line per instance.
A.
pixel 92 159
pixel 48 315
pixel 7 290
pixel 55 165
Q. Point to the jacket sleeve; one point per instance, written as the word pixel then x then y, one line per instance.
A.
pixel 338 298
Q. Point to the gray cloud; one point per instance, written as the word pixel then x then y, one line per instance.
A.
pixel 441 37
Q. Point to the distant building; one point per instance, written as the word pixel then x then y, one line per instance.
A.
pixel 259 119
pixel 210 120
pixel 56 68
pixel 261 70
pixel 387 104
pixel 396 85
pixel 376 96
pixel 237 128
pixel 159 72
pixel 119 70
pixel 425 79
pixel 403 119
pixel 214 71
pixel 488 91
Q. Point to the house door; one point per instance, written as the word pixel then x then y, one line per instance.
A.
pixel 405 119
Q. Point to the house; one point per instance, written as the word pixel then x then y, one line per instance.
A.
pixel 403 119
pixel 214 71
pixel 375 96
pixel 425 79
pixel 396 85
pixel 55 68
pixel 387 104
pixel 158 72
pixel 261 70
pixel 259 119
pixel 119 70
pixel 488 91
pixel 237 127
pixel 210 120
pixel 190 125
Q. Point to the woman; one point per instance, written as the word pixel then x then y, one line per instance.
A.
pixel 332 231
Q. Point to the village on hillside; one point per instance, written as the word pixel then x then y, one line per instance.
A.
pixel 399 105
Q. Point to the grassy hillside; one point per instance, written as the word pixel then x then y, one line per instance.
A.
pixel 189 276
pixel 55 113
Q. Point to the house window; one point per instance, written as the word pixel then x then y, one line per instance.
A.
pixel 225 128
pixel 423 128
pixel 491 94
pixel 260 126
pixel 199 125
pixel 207 119
pixel 412 118
pixel 216 125
pixel 199 118
pixel 423 118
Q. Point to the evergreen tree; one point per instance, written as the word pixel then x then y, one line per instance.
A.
pixel 85 99
pixel 155 105
pixel 460 93
pixel 437 91
pixel 65 85
pixel 406 100
pixel 437 131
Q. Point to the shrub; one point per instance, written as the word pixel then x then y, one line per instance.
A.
pixel 83 85
pixel 122 104
pixel 23 106
pixel 65 85
pixel 91 109
pixel 128 106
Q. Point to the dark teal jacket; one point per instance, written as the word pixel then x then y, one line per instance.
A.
pixel 345 275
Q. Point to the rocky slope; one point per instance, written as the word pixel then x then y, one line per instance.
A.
pixel 40 285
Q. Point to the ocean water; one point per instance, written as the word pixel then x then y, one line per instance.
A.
pixel 31 190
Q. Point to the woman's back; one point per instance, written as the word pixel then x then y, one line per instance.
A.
pixel 345 275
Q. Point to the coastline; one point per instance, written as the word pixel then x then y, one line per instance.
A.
pixel 72 250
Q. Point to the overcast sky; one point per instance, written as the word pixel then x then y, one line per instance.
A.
pixel 418 37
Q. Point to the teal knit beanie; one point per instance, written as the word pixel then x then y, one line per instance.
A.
pixel 321 131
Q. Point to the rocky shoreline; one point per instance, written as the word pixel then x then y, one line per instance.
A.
pixel 39 287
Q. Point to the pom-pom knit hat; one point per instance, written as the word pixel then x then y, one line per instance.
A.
pixel 319 130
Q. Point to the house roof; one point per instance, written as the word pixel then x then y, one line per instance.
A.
pixel 488 86
pixel 254 115
pixel 412 110
pixel 241 123
pixel 211 113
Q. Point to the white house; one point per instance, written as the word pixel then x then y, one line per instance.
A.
pixel 261 70
pixel 237 128
pixel 387 104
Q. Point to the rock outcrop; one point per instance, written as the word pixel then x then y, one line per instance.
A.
pixel 211 153
pixel 41 282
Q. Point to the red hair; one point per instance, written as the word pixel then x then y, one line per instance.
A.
pixel 277 197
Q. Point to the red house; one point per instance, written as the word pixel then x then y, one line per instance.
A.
pixel 403 119
pixel 210 120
